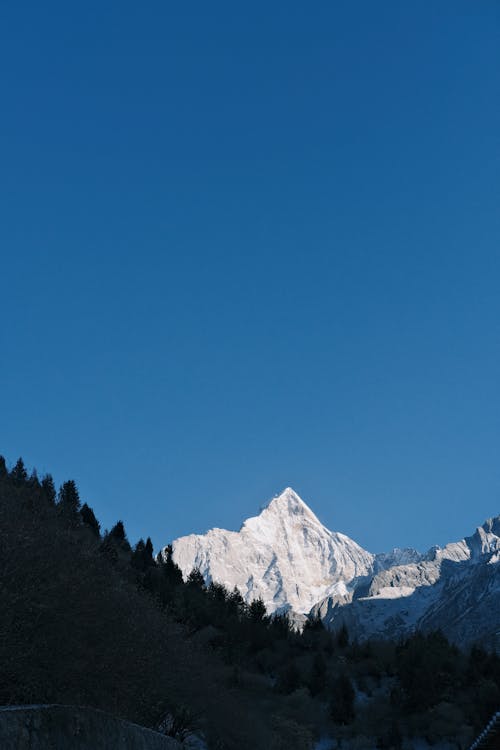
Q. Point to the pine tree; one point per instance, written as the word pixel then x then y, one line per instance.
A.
pixel 148 550
pixel 3 468
pixel 118 532
pixel 257 610
pixel 280 625
pixel 236 602
pixel 33 481
pixel 218 592
pixel 313 624
pixel 195 579
pixel 116 539
pixel 69 501
pixel 170 570
pixel 49 489
pixel 108 548
pixel 19 474
pixel 137 559
pixel 89 519
pixel 142 556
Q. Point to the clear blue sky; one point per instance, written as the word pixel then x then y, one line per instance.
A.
pixel 245 246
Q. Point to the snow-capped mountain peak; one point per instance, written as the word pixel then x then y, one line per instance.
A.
pixel 284 555
pixel 283 510
pixel 290 503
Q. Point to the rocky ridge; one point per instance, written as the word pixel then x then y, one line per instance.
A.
pixel 287 557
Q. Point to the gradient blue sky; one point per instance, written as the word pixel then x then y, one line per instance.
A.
pixel 245 246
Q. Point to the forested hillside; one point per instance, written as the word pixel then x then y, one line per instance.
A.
pixel 86 618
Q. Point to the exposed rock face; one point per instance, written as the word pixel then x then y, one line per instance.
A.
pixel 398 556
pixel 62 727
pixel 284 555
pixel 455 589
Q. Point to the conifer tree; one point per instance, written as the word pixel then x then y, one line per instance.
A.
pixel 19 474
pixel 69 500
pixel 148 551
pixel 217 592
pixel 89 519
pixel 117 539
pixel 257 610
pixel 137 559
pixel 34 482
pixel 49 489
pixel 195 579
pixel 313 624
pixel 108 548
pixel 118 532
pixel 3 468
pixel 236 602
pixel 281 625
pixel 142 556
pixel 171 571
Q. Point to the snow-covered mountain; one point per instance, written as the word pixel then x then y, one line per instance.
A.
pixel 288 558
pixel 284 555
pixel 455 589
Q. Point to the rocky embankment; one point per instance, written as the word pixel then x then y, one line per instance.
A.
pixel 55 727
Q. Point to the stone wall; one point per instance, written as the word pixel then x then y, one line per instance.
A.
pixel 74 728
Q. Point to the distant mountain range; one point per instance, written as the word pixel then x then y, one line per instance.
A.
pixel 295 564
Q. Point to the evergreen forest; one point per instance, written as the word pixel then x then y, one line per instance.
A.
pixel 89 617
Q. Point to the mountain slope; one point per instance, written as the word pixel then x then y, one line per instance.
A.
pixel 284 555
pixel 288 558
pixel 455 589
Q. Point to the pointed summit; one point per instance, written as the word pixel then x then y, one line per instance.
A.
pixel 287 505
pixel 284 555
pixel 291 502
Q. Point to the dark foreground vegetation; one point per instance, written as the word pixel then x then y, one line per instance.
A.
pixel 87 619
